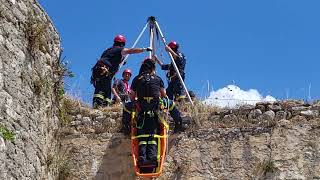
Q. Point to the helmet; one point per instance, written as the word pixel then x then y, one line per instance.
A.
pixel 120 39
pixel 148 64
pixel 146 59
pixel 173 45
pixel 127 71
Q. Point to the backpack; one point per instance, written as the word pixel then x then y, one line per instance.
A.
pixel 146 86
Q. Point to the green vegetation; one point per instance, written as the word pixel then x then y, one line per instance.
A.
pixel 6 134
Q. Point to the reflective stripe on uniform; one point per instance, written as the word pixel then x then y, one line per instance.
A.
pixel 98 96
pixel 180 97
pixel 152 142
pixel 103 98
pixel 108 100
pixel 142 143
pixel 147 135
pixel 172 106
pixel 150 113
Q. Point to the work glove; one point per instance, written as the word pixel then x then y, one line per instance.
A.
pixel 147 49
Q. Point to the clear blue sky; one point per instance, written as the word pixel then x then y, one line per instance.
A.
pixel 272 46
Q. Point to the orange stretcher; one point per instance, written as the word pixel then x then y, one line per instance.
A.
pixel 151 170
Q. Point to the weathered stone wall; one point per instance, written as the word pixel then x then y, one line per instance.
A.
pixel 266 141
pixel 29 51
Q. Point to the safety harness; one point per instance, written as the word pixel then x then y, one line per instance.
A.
pixel 163 105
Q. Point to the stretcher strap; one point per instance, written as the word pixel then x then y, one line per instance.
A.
pixel 159 149
pixel 148 135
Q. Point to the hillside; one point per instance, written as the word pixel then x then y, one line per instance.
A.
pixel 266 141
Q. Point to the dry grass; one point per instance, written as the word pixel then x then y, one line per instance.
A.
pixel 198 113
pixel 61 70
pixel 265 169
pixel 113 108
pixel 63 165
pixel 205 116
pixel 37 35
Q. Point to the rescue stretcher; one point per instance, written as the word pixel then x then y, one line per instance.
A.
pixel 154 169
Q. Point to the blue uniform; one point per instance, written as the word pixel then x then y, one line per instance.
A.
pixel 110 58
pixel 175 90
pixel 147 87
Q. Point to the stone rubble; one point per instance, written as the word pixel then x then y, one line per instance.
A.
pixel 272 145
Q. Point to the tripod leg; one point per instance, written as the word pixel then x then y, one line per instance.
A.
pixel 134 44
pixel 151 39
pixel 173 62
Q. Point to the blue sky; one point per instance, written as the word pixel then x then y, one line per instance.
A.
pixel 272 46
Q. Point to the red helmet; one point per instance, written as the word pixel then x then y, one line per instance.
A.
pixel 173 45
pixel 127 71
pixel 120 39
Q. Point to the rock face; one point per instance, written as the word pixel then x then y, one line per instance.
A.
pixel 29 51
pixel 225 144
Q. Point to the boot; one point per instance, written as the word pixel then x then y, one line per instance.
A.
pixel 142 160
pixel 142 154
pixel 152 153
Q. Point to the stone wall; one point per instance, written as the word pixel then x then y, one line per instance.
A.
pixel 29 53
pixel 266 141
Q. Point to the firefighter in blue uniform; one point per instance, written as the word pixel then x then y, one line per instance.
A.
pixel 175 90
pixel 165 103
pixel 106 67
pixel 147 89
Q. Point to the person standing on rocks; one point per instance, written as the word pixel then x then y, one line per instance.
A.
pixel 175 90
pixel 121 88
pixel 106 67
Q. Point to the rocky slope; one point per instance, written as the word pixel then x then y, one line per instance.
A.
pixel 266 141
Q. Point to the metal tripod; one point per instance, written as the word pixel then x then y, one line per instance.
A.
pixel 155 31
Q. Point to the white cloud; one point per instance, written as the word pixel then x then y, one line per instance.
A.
pixel 232 96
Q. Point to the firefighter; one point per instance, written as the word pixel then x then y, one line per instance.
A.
pixel 147 88
pixel 175 90
pixel 128 108
pixel 106 67
pixel 165 102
